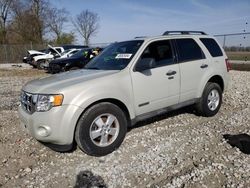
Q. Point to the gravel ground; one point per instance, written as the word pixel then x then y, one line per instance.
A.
pixel 178 149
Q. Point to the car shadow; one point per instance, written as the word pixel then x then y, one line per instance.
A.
pixel 86 179
pixel 62 149
pixel 188 109
pixel 241 141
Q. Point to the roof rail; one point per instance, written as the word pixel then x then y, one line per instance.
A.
pixel 184 32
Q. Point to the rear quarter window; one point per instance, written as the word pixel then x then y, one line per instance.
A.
pixel 212 47
pixel 188 50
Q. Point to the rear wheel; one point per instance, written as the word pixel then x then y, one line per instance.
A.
pixel 211 100
pixel 101 129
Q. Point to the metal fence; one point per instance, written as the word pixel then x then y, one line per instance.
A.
pixel 236 40
pixel 231 42
pixel 15 53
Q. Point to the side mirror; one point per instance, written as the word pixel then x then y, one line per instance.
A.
pixel 145 64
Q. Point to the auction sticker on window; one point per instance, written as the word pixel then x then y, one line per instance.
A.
pixel 123 56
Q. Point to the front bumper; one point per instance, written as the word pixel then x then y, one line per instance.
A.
pixel 55 126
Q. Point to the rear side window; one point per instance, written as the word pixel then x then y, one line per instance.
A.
pixel 212 47
pixel 188 50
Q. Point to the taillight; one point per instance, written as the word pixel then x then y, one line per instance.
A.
pixel 228 65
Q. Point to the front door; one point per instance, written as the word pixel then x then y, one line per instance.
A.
pixel 159 86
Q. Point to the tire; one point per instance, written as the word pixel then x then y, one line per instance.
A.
pixel 92 129
pixel 210 102
pixel 39 64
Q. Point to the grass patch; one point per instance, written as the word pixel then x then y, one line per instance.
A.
pixel 22 72
pixel 242 56
pixel 240 67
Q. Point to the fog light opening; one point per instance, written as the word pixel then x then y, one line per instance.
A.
pixel 43 131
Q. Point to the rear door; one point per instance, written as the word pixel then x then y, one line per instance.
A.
pixel 215 51
pixel 159 86
pixel 193 65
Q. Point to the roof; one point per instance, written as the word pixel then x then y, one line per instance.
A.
pixel 176 34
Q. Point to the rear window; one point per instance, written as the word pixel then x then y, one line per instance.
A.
pixel 189 50
pixel 212 47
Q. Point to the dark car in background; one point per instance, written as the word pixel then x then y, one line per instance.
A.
pixel 76 61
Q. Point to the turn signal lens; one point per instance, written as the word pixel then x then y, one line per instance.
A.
pixel 57 100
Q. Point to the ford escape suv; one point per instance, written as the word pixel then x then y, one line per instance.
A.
pixel 128 82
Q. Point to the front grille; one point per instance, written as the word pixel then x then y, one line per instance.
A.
pixel 28 102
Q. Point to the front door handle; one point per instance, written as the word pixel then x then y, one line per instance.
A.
pixel 171 73
pixel 204 66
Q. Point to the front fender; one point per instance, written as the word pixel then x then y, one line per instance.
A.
pixel 114 87
pixel 89 99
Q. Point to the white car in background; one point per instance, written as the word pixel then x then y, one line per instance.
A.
pixel 31 54
pixel 69 52
pixel 53 52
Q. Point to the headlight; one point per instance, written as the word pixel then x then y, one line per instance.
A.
pixel 46 102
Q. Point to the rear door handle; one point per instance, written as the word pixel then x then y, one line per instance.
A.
pixel 170 73
pixel 204 66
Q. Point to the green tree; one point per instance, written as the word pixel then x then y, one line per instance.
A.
pixel 65 38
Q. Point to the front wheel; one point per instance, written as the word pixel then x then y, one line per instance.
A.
pixel 210 102
pixel 101 129
pixel 40 64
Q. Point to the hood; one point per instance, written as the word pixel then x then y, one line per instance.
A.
pixel 57 83
pixel 65 60
pixel 54 50
pixel 31 52
pixel 43 57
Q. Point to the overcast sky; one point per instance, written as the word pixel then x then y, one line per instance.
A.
pixel 125 19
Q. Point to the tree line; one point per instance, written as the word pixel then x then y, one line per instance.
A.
pixel 38 22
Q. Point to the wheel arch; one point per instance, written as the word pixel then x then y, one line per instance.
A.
pixel 212 78
pixel 219 80
pixel 116 102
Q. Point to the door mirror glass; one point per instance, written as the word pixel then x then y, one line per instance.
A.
pixel 145 64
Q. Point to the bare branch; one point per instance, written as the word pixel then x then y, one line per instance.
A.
pixel 86 23
pixel 57 18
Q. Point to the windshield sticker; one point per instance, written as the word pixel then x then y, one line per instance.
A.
pixel 123 56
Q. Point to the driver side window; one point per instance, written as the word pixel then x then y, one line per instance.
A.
pixel 160 51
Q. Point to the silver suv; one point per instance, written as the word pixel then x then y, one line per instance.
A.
pixel 128 82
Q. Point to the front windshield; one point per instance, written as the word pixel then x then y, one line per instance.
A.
pixel 65 52
pixel 81 53
pixel 116 56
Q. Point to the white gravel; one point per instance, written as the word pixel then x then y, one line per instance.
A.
pixel 178 149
